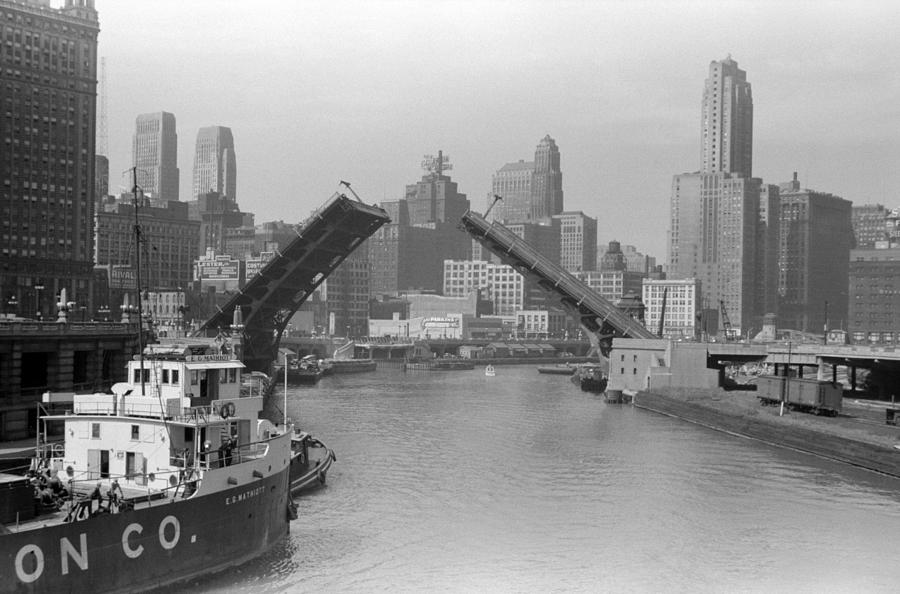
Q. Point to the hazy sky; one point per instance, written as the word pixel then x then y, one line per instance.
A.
pixel 317 92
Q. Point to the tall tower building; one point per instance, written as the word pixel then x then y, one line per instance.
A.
pixel 724 223
pixel 727 120
pixel 215 166
pixel 155 154
pixel 546 186
pixel 49 94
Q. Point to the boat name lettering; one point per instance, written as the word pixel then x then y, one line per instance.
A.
pixel 30 560
pixel 245 495
pixel 197 358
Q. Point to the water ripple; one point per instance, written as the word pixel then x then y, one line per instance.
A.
pixel 456 482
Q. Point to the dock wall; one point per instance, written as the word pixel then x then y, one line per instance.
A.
pixel 818 443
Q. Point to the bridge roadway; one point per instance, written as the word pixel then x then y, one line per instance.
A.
pixel 603 320
pixel 269 299
pixel 385 348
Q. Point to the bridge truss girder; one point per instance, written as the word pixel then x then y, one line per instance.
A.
pixel 270 298
pixel 602 319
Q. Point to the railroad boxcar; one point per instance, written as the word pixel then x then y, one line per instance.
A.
pixel 809 395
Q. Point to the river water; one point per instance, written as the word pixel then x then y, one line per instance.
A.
pixel 458 482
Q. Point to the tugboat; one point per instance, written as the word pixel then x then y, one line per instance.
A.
pixel 171 476
pixel 306 371
pixel 591 378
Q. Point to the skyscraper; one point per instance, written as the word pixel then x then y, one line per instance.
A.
pixel 717 236
pixel 155 154
pixel 814 257
pixel 49 91
pixel 215 166
pixel 724 223
pixel 546 186
pixel 578 241
pixel 531 191
pixel 512 183
pixel 727 120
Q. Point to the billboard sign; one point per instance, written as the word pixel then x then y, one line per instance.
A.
pixel 252 266
pixel 220 268
pixel 122 277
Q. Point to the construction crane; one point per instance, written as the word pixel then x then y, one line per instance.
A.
pixel 726 322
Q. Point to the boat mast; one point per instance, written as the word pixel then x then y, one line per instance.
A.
pixel 137 250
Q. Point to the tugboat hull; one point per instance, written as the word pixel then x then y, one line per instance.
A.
pixel 149 547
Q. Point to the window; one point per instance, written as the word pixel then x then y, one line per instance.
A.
pixel 135 432
pixel 175 377
pixel 195 378
pixel 95 430
pixel 165 376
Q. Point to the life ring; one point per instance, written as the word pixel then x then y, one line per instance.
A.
pixel 226 410
pixel 321 477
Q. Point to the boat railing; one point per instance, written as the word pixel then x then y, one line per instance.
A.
pixel 194 414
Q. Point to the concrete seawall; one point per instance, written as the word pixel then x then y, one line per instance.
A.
pixel 878 458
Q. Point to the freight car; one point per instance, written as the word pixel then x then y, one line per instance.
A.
pixel 808 395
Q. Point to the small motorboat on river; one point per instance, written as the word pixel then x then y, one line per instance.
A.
pixel 561 369
pixel 309 370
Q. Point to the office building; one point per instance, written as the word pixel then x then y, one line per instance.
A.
pixel 347 290
pixel 578 241
pixel 48 89
pixel 727 120
pixel 677 303
pixel 215 164
pixel 874 286
pixel 223 227
pixel 512 183
pixel 869 225
pixel 530 191
pixel 612 285
pixel 402 257
pixel 546 186
pixel 170 243
pixel 500 283
pixel 718 236
pixel 155 155
pixel 636 261
pixel 408 253
pixel 723 223
pixel 815 241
